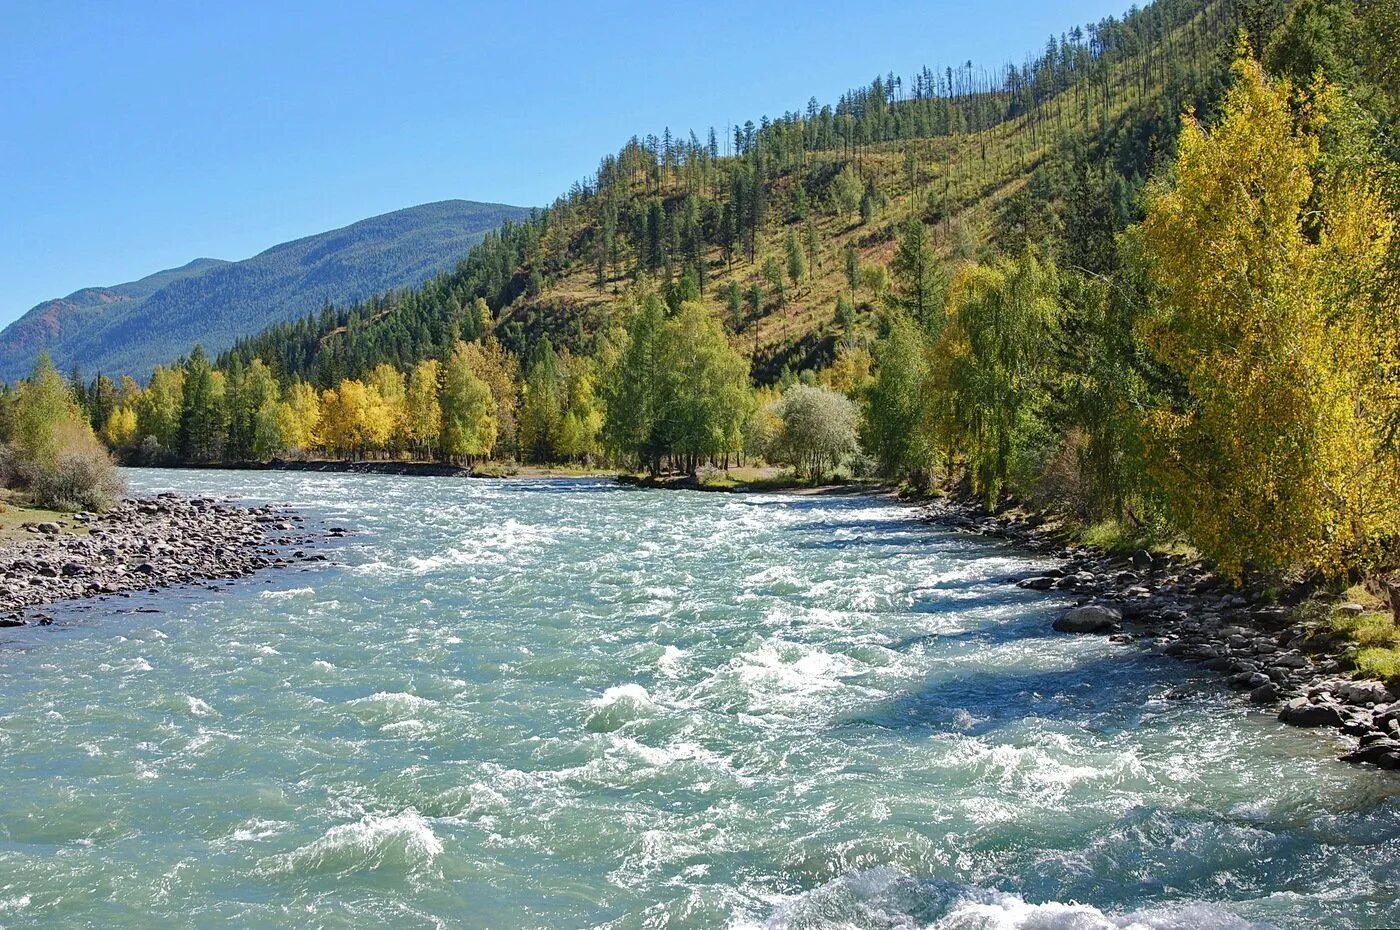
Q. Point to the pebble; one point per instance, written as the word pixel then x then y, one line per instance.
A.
pixel 141 544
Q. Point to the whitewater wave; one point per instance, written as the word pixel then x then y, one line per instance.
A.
pixel 619 705
pixel 402 842
pixel 889 899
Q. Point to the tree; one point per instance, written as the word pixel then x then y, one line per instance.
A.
pixel 1001 320
pixel 845 313
pixel 56 455
pixel 704 388
pixel 119 432
pixel 259 402
pixel 386 409
pixel 844 192
pixel 773 274
pixel 201 431
pixel 422 411
pixel 343 419
pixel 1264 264
pixel 581 429
pixel 734 305
pixel 920 287
pixel 468 410
pixel 632 388
pixel 817 430
pixel 894 403
pixel 299 417
pixel 876 280
pixel 42 403
pixel 796 264
pixel 491 363
pixel 159 406
pixel 852 262
pixel 542 407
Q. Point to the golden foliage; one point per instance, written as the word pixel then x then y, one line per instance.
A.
pixel 1273 452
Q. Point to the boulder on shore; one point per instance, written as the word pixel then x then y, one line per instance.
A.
pixel 1300 712
pixel 1091 618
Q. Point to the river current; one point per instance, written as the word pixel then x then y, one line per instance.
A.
pixel 566 704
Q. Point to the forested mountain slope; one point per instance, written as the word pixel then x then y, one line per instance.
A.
pixel 777 222
pixel 131 327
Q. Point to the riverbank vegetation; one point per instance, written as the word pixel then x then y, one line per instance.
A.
pixel 48 451
pixel 1147 280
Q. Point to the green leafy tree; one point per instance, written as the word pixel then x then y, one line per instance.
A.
pixel 817 430
pixel 542 409
pixel 468 418
pixel 894 402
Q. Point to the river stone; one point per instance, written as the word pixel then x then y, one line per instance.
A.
pixel 1091 618
pixel 1362 693
pixel 1384 752
pixel 1299 712
pixel 1266 693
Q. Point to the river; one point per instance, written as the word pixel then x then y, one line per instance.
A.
pixel 561 704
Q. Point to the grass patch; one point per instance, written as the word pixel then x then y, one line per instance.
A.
pixel 16 510
pixel 1118 538
pixel 494 470
pixel 1372 631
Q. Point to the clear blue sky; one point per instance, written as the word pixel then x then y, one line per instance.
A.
pixel 137 136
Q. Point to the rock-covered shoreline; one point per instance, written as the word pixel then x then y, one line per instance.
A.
pixel 1181 609
pixel 144 544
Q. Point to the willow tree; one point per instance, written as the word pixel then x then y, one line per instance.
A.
pixel 894 399
pixel 993 362
pixel 1267 266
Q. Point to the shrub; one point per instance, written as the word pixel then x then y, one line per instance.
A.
pixel 817 430
pixel 80 476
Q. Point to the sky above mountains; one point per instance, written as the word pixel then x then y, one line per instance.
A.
pixel 138 136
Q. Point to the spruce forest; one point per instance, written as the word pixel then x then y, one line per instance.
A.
pixel 1148 278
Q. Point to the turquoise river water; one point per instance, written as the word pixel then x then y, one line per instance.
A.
pixel 565 704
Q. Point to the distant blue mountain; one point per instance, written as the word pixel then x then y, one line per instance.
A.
pixel 129 328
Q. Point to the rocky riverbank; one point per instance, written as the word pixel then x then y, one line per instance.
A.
pixel 1179 608
pixel 144 544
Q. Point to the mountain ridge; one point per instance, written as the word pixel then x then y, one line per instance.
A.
pixel 127 328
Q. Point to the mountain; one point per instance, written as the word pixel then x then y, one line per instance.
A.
pixel 128 328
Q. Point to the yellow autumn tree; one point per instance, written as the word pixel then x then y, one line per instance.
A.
pixel 422 411
pixel 385 408
pixel 298 417
pixel 469 425
pixel 119 432
pixel 345 417
pixel 1263 269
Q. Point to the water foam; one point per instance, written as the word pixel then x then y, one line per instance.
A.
pixel 887 898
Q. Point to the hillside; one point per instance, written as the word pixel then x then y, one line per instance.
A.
pixel 128 328
pixel 984 158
